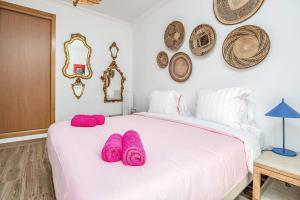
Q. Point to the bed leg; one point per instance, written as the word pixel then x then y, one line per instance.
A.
pixel 256 185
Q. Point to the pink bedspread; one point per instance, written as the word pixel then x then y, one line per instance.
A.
pixel 184 162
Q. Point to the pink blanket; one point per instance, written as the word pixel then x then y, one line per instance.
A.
pixel 183 162
pixel 112 150
pixel 133 150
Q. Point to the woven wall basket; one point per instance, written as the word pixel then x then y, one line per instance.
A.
pixel 162 59
pixel 202 40
pixel 174 35
pixel 246 46
pixel 235 11
pixel 180 67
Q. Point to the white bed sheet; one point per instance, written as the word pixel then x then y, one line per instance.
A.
pixel 177 166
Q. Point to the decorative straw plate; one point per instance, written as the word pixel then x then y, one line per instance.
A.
pixel 162 59
pixel 246 46
pixel 180 67
pixel 235 11
pixel 174 35
pixel 202 40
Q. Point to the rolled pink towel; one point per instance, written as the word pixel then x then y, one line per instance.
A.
pixel 83 115
pixel 112 149
pixel 133 150
pixel 100 119
pixel 83 121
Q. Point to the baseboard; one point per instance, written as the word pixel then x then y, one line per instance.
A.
pixel 22 133
pixel 23 138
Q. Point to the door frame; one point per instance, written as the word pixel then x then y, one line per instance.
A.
pixel 52 18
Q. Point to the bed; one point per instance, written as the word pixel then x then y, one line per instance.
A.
pixel 187 159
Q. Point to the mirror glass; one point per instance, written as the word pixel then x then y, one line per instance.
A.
pixel 114 85
pixel 78 88
pixel 114 52
pixel 78 57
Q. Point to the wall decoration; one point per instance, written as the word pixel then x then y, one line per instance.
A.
pixel 113 78
pixel 78 88
pixel 77 64
pixel 246 46
pixel 174 35
pixel 180 67
pixel 235 11
pixel 162 59
pixel 202 40
pixel 85 2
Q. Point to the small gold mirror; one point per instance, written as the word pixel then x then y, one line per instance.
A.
pixel 113 79
pixel 77 64
pixel 78 88
pixel 114 50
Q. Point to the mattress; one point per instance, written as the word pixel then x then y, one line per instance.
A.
pixel 187 159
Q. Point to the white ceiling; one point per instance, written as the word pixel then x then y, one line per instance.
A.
pixel 127 10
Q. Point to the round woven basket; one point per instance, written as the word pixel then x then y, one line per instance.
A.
pixel 235 11
pixel 180 67
pixel 246 46
pixel 162 59
pixel 174 35
pixel 202 40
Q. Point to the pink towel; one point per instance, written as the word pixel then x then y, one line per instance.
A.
pixel 100 119
pixel 133 150
pixel 83 121
pixel 112 150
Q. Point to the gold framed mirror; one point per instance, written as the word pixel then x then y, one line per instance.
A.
pixel 113 78
pixel 78 88
pixel 77 64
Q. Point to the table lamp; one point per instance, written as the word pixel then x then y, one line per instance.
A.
pixel 283 110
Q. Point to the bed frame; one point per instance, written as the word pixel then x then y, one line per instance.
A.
pixel 235 191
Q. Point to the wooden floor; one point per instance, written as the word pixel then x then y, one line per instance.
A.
pixel 25 172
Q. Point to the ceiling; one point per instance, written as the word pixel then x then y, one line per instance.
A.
pixel 127 10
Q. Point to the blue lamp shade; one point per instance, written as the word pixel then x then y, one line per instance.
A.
pixel 283 110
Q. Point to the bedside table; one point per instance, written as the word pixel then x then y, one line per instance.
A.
pixel 286 169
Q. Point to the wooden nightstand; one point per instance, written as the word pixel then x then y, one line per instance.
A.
pixel 286 169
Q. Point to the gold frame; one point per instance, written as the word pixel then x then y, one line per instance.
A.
pixel 78 80
pixel 80 37
pixel 107 72
pixel 87 2
pixel 114 45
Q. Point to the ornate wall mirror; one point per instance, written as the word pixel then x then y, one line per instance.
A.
pixel 78 88
pixel 113 79
pixel 77 64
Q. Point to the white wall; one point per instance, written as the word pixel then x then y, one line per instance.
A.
pixel 100 31
pixel 276 77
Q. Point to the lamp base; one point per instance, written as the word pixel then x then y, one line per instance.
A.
pixel 284 152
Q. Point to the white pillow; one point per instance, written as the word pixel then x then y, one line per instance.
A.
pixel 165 102
pixel 182 107
pixel 226 106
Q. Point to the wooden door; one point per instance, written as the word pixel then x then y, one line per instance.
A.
pixel 26 74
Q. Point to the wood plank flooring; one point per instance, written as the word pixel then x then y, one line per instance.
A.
pixel 25 172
